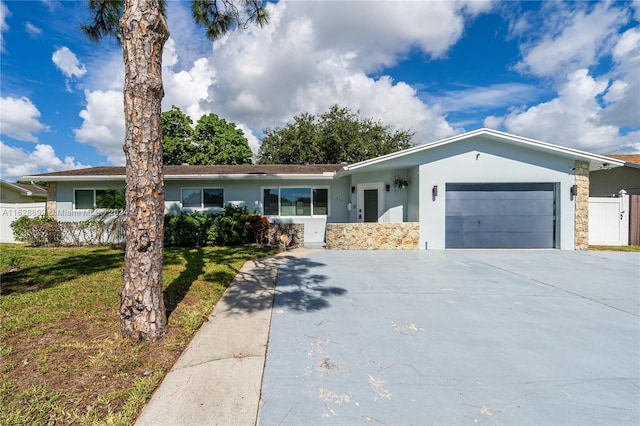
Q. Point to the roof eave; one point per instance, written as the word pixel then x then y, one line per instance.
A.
pixel 596 162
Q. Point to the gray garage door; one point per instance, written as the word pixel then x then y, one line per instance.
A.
pixel 500 215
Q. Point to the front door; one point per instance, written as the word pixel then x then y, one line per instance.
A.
pixel 370 202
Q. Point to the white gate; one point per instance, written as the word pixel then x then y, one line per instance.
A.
pixel 12 211
pixel 609 220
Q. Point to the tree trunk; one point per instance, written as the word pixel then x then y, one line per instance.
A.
pixel 144 32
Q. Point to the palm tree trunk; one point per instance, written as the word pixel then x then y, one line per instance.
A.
pixel 144 32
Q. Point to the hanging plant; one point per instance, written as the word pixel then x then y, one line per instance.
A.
pixel 401 183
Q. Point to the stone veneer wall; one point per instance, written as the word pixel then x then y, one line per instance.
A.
pixel 52 205
pixel 582 206
pixel 276 230
pixel 373 236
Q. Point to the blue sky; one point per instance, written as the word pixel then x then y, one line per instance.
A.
pixel 562 72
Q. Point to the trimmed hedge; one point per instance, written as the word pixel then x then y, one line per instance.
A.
pixel 232 226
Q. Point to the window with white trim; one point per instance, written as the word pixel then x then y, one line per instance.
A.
pixel 91 199
pixel 295 201
pixel 202 198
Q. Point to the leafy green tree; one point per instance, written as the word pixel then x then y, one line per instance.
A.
pixel 219 142
pixel 177 137
pixel 213 141
pixel 337 136
pixel 140 27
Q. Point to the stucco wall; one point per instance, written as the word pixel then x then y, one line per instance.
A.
pixel 373 236
pixel 246 193
pixel 481 160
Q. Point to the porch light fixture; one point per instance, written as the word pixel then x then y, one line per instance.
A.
pixel 353 189
pixel 387 187
pixel 434 190
pixel 574 190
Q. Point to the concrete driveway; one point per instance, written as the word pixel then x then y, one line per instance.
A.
pixel 455 337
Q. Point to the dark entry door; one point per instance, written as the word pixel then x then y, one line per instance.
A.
pixel 500 215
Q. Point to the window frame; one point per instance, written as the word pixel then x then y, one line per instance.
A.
pixel 311 189
pixel 95 198
pixel 202 206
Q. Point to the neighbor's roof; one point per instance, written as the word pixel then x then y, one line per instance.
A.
pixel 633 159
pixel 27 190
pixel 247 171
pixel 596 162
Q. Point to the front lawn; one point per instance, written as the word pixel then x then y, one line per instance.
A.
pixel 63 360
pixel 615 248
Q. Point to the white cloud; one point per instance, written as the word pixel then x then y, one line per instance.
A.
pixel 186 89
pixel 488 97
pixel 572 39
pixel 19 119
pixel 17 162
pixel 103 123
pixel 4 14
pixel 573 118
pixel 67 62
pixel 32 29
pixel 315 54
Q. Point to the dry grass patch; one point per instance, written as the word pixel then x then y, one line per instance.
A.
pixel 62 358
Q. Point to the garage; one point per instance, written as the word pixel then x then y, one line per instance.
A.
pixel 500 215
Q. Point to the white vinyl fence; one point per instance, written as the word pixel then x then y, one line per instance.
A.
pixel 12 211
pixel 609 220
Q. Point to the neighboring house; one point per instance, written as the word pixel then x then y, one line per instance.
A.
pixel 607 182
pixel 17 200
pixel 482 189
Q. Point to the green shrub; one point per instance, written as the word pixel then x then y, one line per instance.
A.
pixel 232 226
pixel 187 229
pixel 37 231
pixel 229 227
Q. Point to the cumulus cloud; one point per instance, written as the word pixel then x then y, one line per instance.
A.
pixel 570 39
pixel 4 14
pixel 315 54
pixel 32 29
pixel 20 118
pixel 17 162
pixel 573 118
pixel 103 123
pixel 67 62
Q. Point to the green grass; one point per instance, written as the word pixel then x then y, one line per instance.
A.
pixel 616 248
pixel 63 360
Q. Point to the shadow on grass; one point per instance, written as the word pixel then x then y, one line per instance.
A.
pixel 298 289
pixel 50 273
pixel 196 265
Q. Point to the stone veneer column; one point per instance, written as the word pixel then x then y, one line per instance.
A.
pixel 52 205
pixel 582 206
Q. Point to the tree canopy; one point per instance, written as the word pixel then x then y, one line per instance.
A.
pixel 336 136
pixel 213 140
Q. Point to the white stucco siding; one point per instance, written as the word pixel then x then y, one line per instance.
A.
pixel 485 161
pixel 65 205
pixel 248 193
pixel 395 200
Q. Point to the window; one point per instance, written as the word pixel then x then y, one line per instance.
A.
pixel 89 199
pixel 302 201
pixel 202 198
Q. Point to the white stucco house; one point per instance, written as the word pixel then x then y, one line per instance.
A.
pixel 480 189
pixel 18 199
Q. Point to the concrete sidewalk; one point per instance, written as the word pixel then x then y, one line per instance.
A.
pixel 217 379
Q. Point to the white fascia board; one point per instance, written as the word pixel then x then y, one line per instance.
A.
pixel 596 161
pixel 324 176
pixel 76 178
